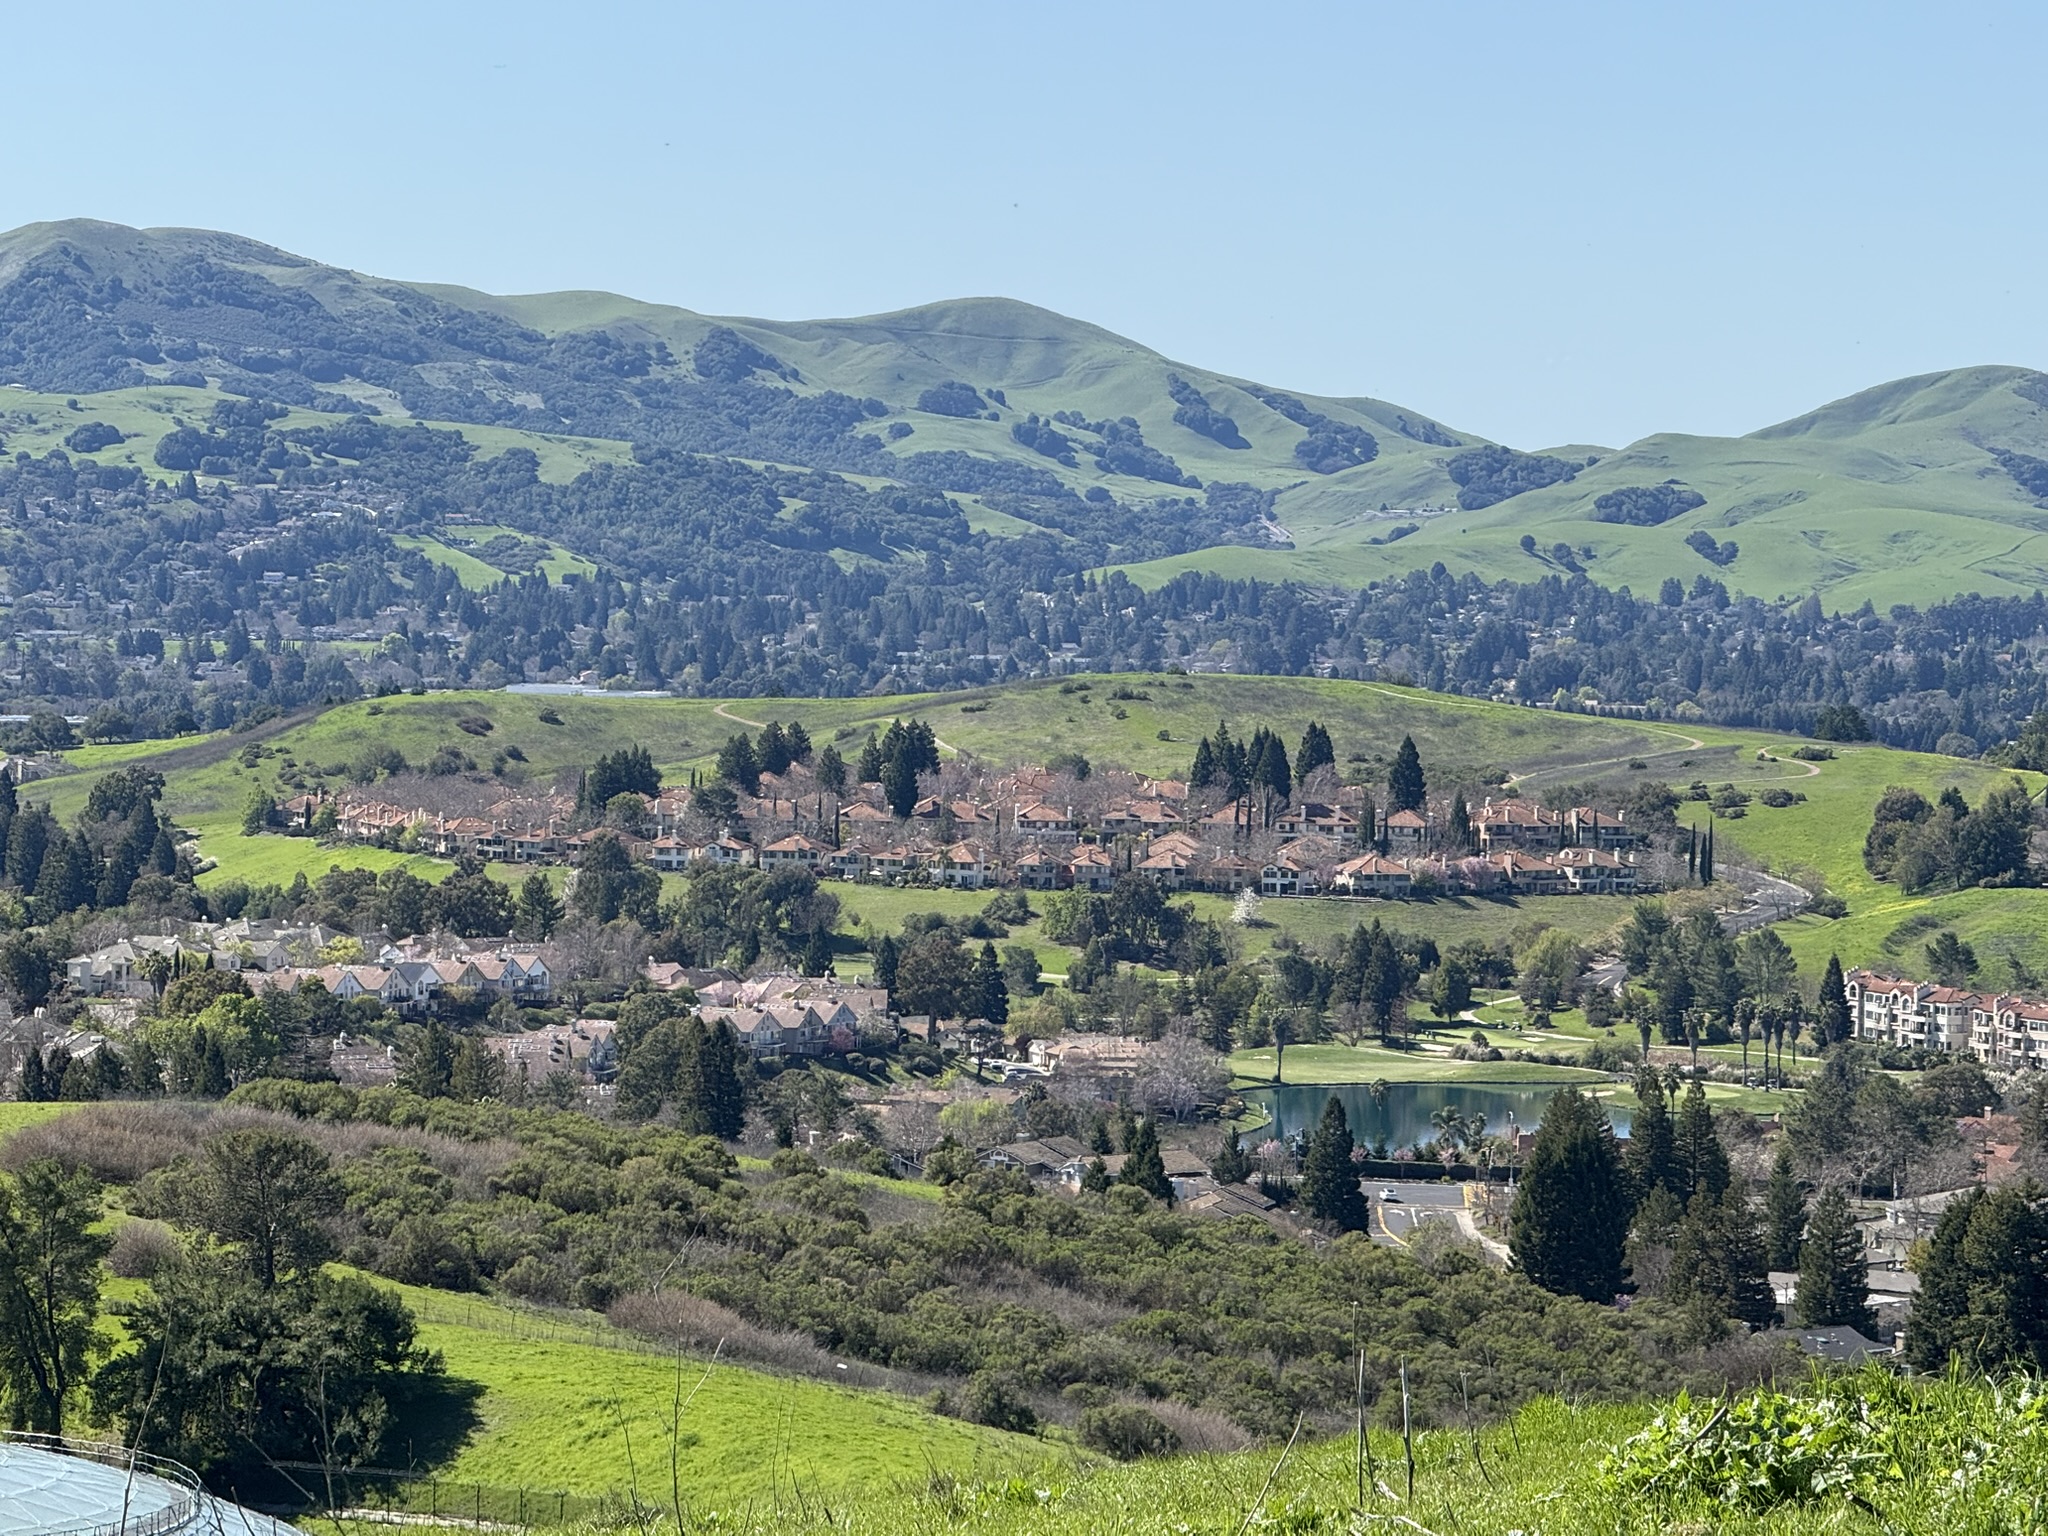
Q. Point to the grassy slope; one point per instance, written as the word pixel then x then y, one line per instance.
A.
pixel 558 1405
pixel 1889 496
pixel 1538 1472
pixel 209 786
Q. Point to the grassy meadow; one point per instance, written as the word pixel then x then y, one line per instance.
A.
pixel 580 1408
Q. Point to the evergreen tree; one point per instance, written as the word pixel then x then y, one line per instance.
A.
pixel 1784 1213
pixel 476 1074
pixel 1984 1285
pixel 738 766
pixel 50 1253
pixel 1231 762
pixel 1143 1167
pixel 1204 771
pixel 817 957
pixel 1717 1262
pixel 429 1063
pixel 1702 1163
pixel 1650 1156
pixel 1314 752
pixel 1407 789
pixel 799 741
pixel 33 1088
pixel 832 769
pixel 1095 1177
pixel 1231 1165
pixel 539 910
pixel 213 1081
pixel 773 750
pixel 990 992
pixel 1834 1284
pixel 1459 832
pixel 885 957
pixel 1570 1219
pixel 1707 857
pixel 1832 1021
pixel 1329 1180
pixel 870 769
pixel 712 1098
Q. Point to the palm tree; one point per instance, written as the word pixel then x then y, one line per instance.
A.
pixel 156 970
pixel 1450 1125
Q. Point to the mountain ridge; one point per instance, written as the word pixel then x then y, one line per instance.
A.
pixel 1877 493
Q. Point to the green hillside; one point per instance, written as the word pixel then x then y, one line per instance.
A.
pixel 1892 495
pixel 1895 494
pixel 1153 729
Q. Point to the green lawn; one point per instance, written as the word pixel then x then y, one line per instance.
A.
pixel 19 1117
pixel 1337 1063
pixel 559 1402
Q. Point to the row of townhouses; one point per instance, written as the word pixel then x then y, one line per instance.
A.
pixel 1999 1029
pixel 1522 848
pixel 410 977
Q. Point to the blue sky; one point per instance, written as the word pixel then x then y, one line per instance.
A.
pixel 1546 224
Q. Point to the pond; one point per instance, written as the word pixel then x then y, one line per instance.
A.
pixel 1403 1117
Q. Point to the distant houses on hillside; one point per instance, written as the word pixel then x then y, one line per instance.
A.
pixel 1020 830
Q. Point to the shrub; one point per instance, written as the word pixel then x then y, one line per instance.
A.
pixel 142 1248
pixel 996 1398
pixel 1127 1432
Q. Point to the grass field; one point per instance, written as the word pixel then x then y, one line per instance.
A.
pixel 1335 1063
pixel 1541 1470
pixel 557 1406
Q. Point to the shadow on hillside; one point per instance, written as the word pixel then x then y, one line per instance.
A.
pixel 432 1422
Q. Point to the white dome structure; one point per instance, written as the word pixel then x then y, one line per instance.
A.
pixel 62 1487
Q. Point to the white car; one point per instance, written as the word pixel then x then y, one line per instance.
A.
pixel 1388 1194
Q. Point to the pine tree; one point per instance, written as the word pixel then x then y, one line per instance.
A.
pixel 429 1064
pixel 990 992
pixel 1407 789
pixel 1784 1213
pixel 1314 752
pixel 1204 772
pixel 1701 1161
pixel 1650 1154
pixel 885 957
pixel 1834 1284
pixel 773 750
pixel 817 957
pixel 870 769
pixel 737 765
pixel 1984 1285
pixel 1717 1262
pixel 476 1074
pixel 1231 1165
pixel 539 910
pixel 1570 1219
pixel 1832 1021
pixel 1329 1180
pixel 1095 1177
pixel 1460 829
pixel 1144 1168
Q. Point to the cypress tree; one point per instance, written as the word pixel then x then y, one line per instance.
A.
pixel 1204 771
pixel 885 957
pixel 1834 1286
pixel 1329 1179
pixel 991 993
pixel 1460 830
pixel 1571 1213
pixel 1784 1213
pixel 817 957
pixel 713 1094
pixel 1407 789
pixel 33 1089
pixel 1707 858
pixel 1833 1019
pixel 1144 1168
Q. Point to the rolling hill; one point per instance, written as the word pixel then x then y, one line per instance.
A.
pixel 1913 490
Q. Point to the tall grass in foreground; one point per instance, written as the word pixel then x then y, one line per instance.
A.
pixel 1866 1453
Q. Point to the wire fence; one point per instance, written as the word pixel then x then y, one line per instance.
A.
pixel 365 1493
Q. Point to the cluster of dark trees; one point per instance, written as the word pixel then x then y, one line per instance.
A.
pixel 1646 506
pixel 1193 411
pixel 1330 445
pixel 117 843
pixel 1947 845
pixel 1492 474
